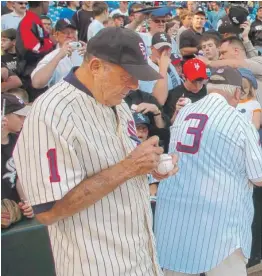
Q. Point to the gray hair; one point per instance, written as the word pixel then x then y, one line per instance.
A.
pixel 231 89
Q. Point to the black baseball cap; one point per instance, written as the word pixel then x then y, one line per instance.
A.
pixel 64 23
pixel 161 39
pixel 13 104
pixel 228 27
pixel 238 15
pixel 200 10
pixel 226 75
pixel 125 48
pixel 9 33
pixel 141 118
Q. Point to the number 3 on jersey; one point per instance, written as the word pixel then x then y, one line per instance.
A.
pixel 196 131
pixel 52 161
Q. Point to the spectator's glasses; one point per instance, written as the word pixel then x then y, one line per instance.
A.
pixel 157 21
pixel 22 3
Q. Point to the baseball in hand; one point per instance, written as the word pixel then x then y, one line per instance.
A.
pixel 187 101
pixel 165 164
pixel 134 107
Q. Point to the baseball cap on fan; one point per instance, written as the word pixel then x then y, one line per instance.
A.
pixel 125 48
pixel 63 24
pixel 15 105
pixel 194 69
pixel 200 10
pixel 226 75
pixel 161 39
pixel 238 15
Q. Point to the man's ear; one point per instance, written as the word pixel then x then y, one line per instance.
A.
pixel 95 65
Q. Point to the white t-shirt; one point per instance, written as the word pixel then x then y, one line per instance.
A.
pixel 94 28
pixel 63 67
pixel 248 107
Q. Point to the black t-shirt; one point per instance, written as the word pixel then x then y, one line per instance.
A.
pixel 137 97
pixel 178 92
pixel 8 173
pixel 10 61
pixel 189 38
pixel 82 20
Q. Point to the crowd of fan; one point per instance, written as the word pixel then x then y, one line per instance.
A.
pixel 183 43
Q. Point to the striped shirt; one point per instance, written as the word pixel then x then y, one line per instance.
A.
pixel 204 212
pixel 67 137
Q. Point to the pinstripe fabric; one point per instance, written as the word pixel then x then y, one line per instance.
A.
pixel 204 212
pixel 112 237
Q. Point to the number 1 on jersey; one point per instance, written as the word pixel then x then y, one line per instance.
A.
pixel 52 160
pixel 196 131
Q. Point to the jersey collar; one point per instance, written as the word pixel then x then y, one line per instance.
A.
pixel 73 80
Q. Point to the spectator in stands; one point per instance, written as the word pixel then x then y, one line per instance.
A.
pixel 9 79
pixel 160 61
pixel 133 8
pixel 57 64
pixel 20 93
pixel 159 124
pixel 186 21
pixel 32 44
pixel 123 9
pixel 100 11
pixel 176 61
pixel 118 20
pixel 15 113
pixel 7 8
pixel 8 48
pixel 189 39
pixel 191 6
pixel 12 20
pixel 177 22
pixel 248 105
pixel 47 24
pixel 209 44
pixel 171 30
pixel 256 30
pixel 193 88
pixel 156 24
pixel 69 11
pixel 179 10
pixel 216 14
pixel 83 18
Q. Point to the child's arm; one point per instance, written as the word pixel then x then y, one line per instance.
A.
pixel 25 207
pixel 256 118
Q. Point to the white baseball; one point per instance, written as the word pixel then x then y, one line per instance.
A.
pixel 134 107
pixel 187 101
pixel 165 164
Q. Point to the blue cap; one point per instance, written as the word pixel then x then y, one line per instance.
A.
pixel 140 118
pixel 157 11
pixel 247 74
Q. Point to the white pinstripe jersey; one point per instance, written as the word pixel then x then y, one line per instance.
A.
pixel 205 211
pixel 69 128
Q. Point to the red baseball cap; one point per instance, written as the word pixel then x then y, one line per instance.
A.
pixel 194 69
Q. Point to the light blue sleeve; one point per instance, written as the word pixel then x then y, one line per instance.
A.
pixel 3 26
pixel 147 86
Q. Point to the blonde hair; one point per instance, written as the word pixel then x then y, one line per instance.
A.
pixel 252 92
